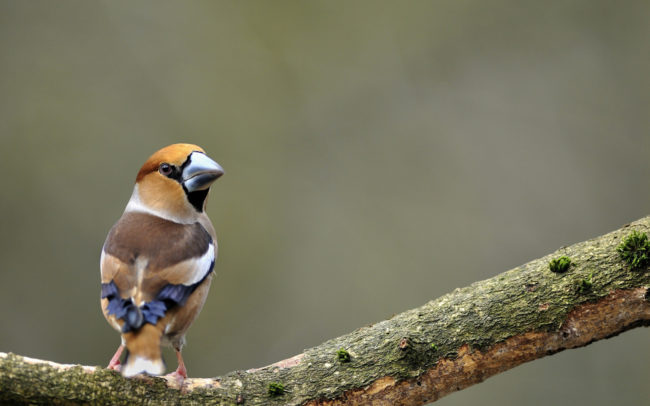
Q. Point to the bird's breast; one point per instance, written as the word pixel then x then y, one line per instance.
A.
pixel 161 242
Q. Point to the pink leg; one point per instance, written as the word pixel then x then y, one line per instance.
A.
pixel 181 373
pixel 114 363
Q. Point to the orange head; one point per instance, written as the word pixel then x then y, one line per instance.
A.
pixel 174 183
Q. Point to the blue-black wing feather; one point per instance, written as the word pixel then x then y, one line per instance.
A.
pixel 170 296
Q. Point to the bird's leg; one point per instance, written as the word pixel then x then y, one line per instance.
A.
pixel 181 373
pixel 181 365
pixel 114 363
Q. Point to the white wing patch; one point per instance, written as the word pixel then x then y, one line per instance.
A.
pixel 200 266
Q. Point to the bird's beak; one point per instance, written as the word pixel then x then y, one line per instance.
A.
pixel 200 172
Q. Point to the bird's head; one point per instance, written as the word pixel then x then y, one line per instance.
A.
pixel 174 183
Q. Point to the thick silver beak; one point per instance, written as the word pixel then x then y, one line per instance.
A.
pixel 200 172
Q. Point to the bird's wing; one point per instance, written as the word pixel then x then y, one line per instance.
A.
pixel 150 265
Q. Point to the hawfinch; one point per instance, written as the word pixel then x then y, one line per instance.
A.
pixel 156 263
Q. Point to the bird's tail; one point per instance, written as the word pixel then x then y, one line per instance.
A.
pixel 144 353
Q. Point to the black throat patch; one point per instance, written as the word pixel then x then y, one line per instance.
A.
pixel 197 198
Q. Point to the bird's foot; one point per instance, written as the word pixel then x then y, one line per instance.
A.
pixel 115 365
pixel 177 376
pixel 181 372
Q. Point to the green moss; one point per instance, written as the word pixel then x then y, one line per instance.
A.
pixel 635 250
pixel 342 355
pixel 276 389
pixel 560 265
pixel 434 347
pixel 584 285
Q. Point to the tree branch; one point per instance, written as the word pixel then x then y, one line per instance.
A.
pixel 416 357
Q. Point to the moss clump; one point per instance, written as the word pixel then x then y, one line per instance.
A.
pixel 342 355
pixel 635 249
pixel 560 265
pixel 584 285
pixel 276 389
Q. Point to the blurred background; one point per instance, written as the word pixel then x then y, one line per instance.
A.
pixel 361 142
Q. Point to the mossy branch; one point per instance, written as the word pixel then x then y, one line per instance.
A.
pixel 415 357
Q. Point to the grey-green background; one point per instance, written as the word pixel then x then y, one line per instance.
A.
pixel 378 155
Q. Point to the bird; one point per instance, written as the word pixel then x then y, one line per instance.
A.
pixel 157 261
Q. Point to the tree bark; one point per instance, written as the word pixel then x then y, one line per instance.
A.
pixel 416 357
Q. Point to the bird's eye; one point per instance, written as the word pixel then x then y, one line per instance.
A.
pixel 165 169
